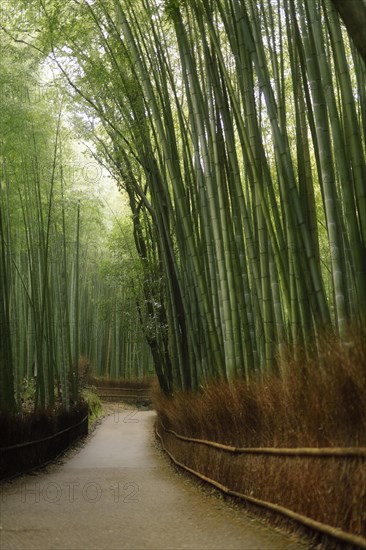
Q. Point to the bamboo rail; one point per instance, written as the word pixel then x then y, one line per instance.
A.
pixel 48 438
pixel 105 388
pixel 333 532
pixel 121 396
pixel 359 452
pixel 116 393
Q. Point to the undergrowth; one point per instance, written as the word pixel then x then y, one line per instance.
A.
pixel 93 401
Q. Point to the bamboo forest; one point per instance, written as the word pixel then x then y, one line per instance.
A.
pixel 183 238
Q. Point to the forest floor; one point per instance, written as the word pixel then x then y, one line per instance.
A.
pixel 119 491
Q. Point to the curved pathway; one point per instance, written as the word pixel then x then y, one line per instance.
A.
pixel 119 492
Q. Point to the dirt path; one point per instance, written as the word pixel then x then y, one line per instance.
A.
pixel 119 492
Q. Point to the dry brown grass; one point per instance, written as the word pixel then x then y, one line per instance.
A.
pixel 37 426
pixel 314 403
pixel 131 383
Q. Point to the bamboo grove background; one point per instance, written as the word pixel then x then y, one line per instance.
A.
pixel 57 303
pixel 238 131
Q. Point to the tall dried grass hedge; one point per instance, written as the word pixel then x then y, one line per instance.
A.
pixel 39 427
pixel 130 383
pixel 319 402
